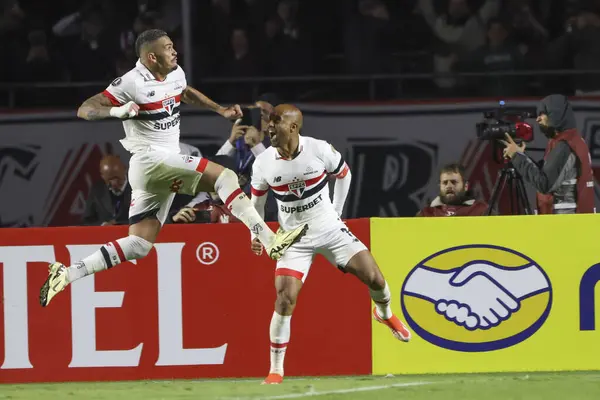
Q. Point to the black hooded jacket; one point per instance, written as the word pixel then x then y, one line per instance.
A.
pixel 560 170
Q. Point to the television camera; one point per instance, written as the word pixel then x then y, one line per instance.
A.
pixel 496 124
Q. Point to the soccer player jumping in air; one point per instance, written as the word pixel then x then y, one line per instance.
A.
pixel 147 98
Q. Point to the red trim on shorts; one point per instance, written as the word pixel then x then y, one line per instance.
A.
pixel 119 251
pixel 256 192
pixel 158 105
pixel 112 98
pixel 202 165
pixel 279 345
pixel 289 272
pixel 232 196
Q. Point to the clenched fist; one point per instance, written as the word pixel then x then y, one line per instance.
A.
pixel 256 247
pixel 127 110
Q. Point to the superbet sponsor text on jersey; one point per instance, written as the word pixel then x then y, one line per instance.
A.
pixel 300 185
pixel 156 127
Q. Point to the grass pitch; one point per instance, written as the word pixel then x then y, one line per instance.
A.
pixel 526 386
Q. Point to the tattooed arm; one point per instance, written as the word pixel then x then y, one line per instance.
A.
pixel 96 107
pixel 100 107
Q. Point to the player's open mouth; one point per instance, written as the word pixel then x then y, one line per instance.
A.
pixel 272 132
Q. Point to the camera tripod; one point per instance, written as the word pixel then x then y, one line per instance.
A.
pixel 516 191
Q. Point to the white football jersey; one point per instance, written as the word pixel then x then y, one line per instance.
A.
pixel 156 127
pixel 300 186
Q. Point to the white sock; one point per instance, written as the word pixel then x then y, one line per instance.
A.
pixel 113 253
pixel 280 336
pixel 241 207
pixel 382 300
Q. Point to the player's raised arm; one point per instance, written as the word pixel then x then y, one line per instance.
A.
pixel 197 98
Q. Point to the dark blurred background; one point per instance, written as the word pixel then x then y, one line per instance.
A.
pixel 73 48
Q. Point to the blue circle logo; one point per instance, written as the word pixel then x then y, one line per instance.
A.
pixel 476 298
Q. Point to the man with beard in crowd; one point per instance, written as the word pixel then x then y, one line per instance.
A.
pixel 565 181
pixel 455 198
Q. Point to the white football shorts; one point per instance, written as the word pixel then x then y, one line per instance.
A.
pixel 337 244
pixel 155 177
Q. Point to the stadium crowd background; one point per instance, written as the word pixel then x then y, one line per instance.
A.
pixel 92 40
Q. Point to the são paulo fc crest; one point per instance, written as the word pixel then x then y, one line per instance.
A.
pixel 168 105
pixel 297 188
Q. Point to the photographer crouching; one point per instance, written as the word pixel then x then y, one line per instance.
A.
pixel 564 182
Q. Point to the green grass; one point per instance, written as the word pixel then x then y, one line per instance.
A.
pixel 534 386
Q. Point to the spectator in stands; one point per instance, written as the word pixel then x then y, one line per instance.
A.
pixel 579 48
pixel 91 55
pixel 242 62
pixel 498 54
pixel 108 201
pixel 291 52
pixel 40 64
pixel 525 23
pixel 459 30
pixel 366 37
pixel 455 198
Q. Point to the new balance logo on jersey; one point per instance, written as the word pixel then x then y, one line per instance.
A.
pixel 151 93
pixel 302 208
pixel 277 179
pixel 169 104
pixel 297 188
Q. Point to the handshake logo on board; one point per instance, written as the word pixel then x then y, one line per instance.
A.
pixel 476 298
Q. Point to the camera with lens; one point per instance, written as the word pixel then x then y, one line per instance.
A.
pixel 494 128
pixel 497 123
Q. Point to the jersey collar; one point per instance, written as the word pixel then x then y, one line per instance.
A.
pixel 148 76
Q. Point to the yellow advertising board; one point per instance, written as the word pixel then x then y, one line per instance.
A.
pixel 490 294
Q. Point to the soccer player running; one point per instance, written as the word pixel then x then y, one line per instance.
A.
pixel 296 169
pixel 147 98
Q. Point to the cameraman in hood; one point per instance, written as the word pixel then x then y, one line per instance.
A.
pixel 565 181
